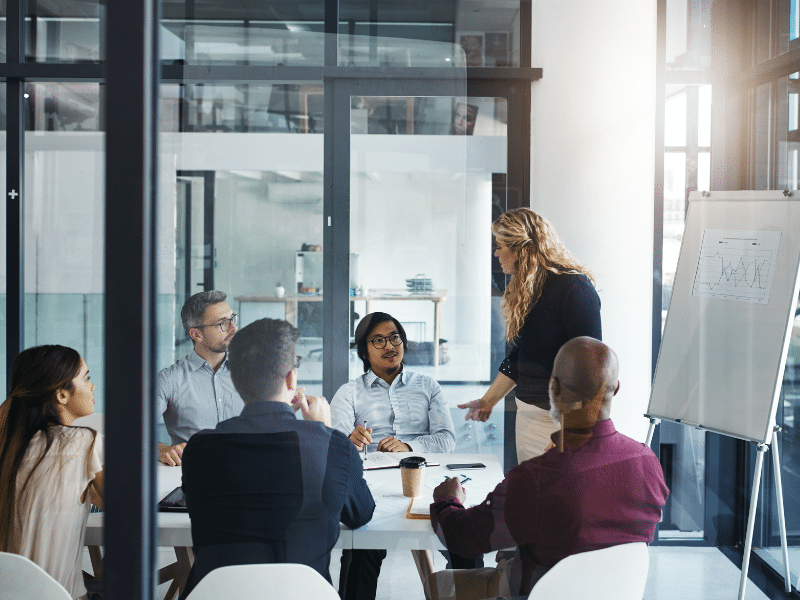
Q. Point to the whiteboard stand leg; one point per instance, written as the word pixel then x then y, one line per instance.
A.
pixel 653 423
pixel 751 519
pixel 776 467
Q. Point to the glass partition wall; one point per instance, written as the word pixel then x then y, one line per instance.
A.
pixel 252 192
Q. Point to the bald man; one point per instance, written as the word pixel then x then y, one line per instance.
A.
pixel 593 489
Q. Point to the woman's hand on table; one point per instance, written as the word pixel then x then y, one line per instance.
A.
pixel 390 444
pixel 450 488
pixel 477 410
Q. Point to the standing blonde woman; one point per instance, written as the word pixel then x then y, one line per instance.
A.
pixel 550 299
pixel 50 471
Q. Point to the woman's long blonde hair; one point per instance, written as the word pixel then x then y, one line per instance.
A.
pixel 539 251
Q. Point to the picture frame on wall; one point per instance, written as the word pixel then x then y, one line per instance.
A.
pixel 472 43
pixel 496 48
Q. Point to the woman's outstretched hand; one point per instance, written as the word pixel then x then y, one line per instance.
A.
pixel 477 410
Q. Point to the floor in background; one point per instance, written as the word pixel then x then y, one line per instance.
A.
pixel 694 574
pixel 773 556
pixel 682 573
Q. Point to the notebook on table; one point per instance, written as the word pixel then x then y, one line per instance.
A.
pixel 386 460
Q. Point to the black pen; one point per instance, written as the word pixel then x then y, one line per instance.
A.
pixel 464 480
pixel 365 444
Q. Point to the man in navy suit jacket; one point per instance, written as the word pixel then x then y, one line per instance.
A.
pixel 266 486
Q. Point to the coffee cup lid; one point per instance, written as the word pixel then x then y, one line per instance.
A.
pixel 412 462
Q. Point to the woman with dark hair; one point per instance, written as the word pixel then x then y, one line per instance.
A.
pixel 550 299
pixel 50 471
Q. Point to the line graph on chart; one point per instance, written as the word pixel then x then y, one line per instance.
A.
pixel 736 265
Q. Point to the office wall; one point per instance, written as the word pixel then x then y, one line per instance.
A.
pixel 593 148
pixel 412 185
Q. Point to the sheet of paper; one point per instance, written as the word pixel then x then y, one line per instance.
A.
pixel 476 492
pixel 736 265
pixel 390 507
pixel 379 460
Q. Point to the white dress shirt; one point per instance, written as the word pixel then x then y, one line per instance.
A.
pixel 412 410
pixel 191 396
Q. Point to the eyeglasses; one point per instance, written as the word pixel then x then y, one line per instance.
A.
pixel 379 343
pixel 296 364
pixel 224 324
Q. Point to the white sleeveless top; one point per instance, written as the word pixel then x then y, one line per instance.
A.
pixel 51 519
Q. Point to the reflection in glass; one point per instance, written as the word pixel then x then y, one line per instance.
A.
pixel 64 223
pixel 245 108
pixel 3 245
pixel 675 120
pixel 687 167
pixel 688 34
pixel 674 222
pixel 784 94
pixel 428 116
pixel 487 33
pixel 237 210
pixel 241 41
pixel 439 202
pixel 704 118
pixel 64 31
pixel 62 106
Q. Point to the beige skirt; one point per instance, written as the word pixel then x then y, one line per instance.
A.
pixel 534 427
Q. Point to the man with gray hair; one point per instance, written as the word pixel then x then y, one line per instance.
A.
pixel 196 392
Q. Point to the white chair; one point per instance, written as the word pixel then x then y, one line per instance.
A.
pixel 615 573
pixel 287 581
pixel 23 579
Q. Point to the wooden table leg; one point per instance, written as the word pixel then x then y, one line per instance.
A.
pixel 424 563
pixel 97 561
pixel 177 572
pixel 185 557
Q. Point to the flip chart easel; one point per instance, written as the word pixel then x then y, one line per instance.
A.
pixel 723 351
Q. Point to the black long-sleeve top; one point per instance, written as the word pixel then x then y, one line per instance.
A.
pixel 568 307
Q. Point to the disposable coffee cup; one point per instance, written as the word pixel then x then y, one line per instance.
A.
pixel 412 474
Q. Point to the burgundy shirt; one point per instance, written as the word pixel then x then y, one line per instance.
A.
pixel 605 489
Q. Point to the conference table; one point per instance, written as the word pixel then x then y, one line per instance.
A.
pixel 389 529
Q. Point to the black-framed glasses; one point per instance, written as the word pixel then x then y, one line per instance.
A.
pixel 296 364
pixel 224 324
pixel 379 342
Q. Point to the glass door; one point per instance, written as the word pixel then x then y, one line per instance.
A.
pixel 427 178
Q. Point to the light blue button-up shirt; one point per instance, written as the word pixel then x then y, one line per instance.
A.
pixel 191 396
pixel 412 409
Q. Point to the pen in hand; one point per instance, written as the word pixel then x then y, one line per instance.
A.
pixel 365 445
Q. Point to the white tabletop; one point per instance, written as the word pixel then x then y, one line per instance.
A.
pixel 389 528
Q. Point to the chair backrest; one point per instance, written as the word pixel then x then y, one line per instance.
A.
pixel 23 579
pixel 615 573
pixel 288 581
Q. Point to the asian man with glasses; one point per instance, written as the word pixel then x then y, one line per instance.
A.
pixel 388 409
